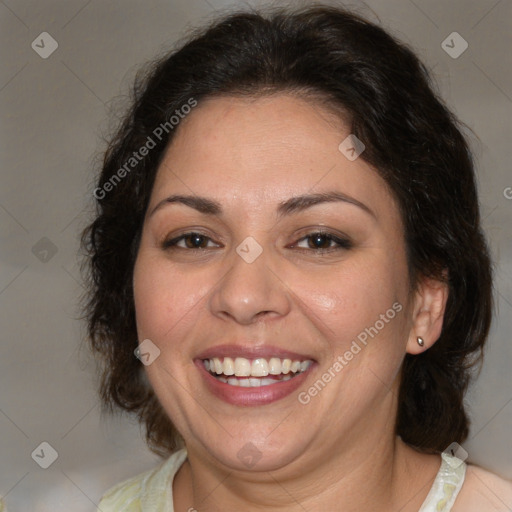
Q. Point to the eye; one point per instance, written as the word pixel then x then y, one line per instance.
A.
pixel 191 240
pixel 323 241
pixel 320 241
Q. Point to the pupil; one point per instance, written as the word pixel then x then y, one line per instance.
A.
pixel 318 239
pixel 195 240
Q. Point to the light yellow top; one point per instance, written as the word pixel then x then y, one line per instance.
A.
pixel 152 491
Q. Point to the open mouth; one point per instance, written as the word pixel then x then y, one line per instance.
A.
pixel 257 372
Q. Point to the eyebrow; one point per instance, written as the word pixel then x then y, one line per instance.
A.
pixel 293 205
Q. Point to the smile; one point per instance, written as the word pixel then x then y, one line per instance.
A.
pixel 257 372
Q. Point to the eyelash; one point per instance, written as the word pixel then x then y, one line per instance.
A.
pixel 343 243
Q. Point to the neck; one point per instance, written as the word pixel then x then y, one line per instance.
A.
pixel 366 470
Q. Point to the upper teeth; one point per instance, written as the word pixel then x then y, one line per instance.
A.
pixel 242 367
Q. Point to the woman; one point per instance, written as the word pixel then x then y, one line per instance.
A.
pixel 289 282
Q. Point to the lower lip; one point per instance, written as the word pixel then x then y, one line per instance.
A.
pixel 247 397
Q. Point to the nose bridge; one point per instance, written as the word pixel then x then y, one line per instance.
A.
pixel 250 286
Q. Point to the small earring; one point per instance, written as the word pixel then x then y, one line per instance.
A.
pixel 421 341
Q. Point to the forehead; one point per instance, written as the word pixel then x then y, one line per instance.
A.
pixel 263 150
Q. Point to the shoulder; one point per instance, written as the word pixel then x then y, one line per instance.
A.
pixel 131 494
pixel 484 491
pixel 125 495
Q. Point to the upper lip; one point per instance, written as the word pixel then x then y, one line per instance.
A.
pixel 252 352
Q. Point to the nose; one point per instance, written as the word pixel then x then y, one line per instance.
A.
pixel 250 292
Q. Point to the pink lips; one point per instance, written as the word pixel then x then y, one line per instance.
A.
pixel 251 396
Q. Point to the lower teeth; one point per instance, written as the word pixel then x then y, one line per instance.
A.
pixel 253 382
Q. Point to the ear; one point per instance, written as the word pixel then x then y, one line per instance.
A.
pixel 428 314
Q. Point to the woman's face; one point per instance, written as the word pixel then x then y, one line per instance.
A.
pixel 256 284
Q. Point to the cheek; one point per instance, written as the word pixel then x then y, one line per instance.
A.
pixel 163 297
pixel 348 301
pixel 351 293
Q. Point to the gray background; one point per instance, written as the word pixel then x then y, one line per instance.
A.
pixel 54 114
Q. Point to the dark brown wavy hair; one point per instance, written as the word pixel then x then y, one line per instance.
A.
pixel 416 144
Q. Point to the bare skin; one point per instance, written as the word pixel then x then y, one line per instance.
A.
pixel 339 451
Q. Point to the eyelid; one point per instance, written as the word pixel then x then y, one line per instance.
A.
pixel 342 241
pixel 171 241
